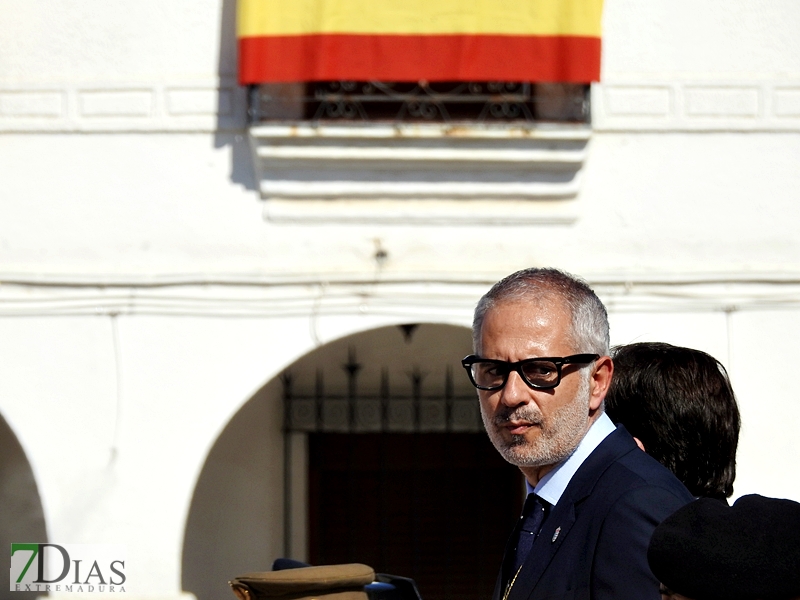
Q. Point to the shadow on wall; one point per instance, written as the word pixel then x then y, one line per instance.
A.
pixel 232 103
pixel 21 514
pixel 235 522
pixel 242 170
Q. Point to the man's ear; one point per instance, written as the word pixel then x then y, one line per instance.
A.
pixel 639 443
pixel 600 380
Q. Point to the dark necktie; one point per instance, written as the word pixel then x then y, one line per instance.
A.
pixel 533 514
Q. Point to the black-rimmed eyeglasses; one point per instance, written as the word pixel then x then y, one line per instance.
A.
pixel 539 373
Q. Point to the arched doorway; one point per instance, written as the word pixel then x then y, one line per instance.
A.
pixel 20 506
pixel 400 473
pixel 368 449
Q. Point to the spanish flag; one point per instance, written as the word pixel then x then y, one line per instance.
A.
pixel 412 40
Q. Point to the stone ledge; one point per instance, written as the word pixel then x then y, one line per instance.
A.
pixel 621 104
pixel 419 173
pixel 420 292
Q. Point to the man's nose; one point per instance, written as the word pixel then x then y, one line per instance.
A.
pixel 515 391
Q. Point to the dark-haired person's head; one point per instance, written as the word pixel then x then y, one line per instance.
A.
pixel 708 550
pixel 679 403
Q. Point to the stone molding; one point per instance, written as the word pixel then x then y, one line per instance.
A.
pixel 423 299
pixel 101 107
pixel 725 106
pixel 203 105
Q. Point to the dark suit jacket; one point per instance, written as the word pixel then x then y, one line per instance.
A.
pixel 593 543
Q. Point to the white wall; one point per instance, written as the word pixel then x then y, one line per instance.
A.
pixel 755 347
pixel 715 40
pixel 124 160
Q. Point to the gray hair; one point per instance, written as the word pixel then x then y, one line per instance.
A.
pixel 589 317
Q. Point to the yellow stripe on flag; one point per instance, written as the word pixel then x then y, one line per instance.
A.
pixel 422 17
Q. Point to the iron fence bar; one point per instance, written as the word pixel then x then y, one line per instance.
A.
pixel 375 101
pixel 384 398
pixel 319 399
pixel 448 398
pixel 351 368
pixel 312 416
pixel 416 377
pixel 334 97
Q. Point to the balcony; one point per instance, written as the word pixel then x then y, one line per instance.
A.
pixel 419 153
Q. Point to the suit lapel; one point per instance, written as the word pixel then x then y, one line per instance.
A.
pixel 563 515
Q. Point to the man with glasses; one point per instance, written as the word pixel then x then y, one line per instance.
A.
pixel 542 369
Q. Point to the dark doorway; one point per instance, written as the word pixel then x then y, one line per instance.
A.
pixel 436 507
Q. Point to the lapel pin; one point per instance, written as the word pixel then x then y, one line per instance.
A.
pixel 555 535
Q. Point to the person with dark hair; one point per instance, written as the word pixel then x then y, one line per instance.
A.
pixel 542 369
pixel 708 550
pixel 678 402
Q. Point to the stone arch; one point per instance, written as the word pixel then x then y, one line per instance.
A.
pixel 20 504
pixel 237 522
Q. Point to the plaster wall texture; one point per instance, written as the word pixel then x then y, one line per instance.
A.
pixel 716 40
pixel 124 160
pixel 90 40
pixel 110 206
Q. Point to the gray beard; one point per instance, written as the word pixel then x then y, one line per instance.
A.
pixel 557 439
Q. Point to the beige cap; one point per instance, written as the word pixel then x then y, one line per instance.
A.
pixel 328 582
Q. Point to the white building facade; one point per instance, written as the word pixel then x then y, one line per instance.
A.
pixel 152 292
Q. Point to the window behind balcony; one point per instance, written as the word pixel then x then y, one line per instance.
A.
pixel 419 60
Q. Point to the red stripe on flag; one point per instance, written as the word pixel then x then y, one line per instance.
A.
pixel 325 57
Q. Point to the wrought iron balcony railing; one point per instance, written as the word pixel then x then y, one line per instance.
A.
pixel 420 102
